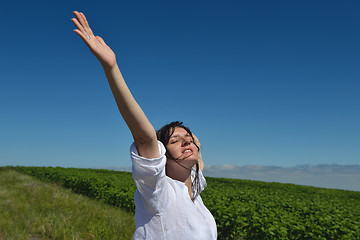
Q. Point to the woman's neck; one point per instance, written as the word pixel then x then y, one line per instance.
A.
pixel 177 172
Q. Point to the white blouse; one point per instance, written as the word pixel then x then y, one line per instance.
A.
pixel 164 209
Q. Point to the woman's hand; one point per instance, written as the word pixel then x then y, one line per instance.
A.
pixel 95 43
pixel 200 161
pixel 196 140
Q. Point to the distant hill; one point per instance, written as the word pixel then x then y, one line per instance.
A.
pixel 345 177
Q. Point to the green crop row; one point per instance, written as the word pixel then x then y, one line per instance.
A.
pixel 242 209
pixel 259 210
pixel 112 187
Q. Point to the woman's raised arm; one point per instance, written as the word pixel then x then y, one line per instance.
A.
pixel 143 132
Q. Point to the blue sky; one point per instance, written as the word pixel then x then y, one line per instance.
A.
pixel 259 82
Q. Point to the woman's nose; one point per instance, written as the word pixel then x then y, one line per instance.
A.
pixel 186 142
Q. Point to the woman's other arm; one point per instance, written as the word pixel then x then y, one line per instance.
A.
pixel 143 132
pixel 200 161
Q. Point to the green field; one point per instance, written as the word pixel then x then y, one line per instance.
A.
pixel 31 209
pixel 242 209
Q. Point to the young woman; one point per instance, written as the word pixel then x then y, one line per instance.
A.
pixel 166 165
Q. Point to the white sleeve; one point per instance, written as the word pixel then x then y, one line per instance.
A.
pixel 202 179
pixel 150 178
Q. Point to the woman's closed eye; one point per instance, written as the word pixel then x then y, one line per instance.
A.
pixel 190 139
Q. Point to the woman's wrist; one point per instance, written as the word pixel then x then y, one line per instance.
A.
pixel 110 69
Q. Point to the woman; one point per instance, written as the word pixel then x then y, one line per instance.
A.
pixel 163 164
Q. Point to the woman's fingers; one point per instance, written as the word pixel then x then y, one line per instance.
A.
pixel 82 24
pixel 86 24
pixel 83 29
pixel 196 140
pixel 78 25
pixel 85 20
pixel 78 32
pixel 80 18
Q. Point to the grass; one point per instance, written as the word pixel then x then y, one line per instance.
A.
pixel 31 209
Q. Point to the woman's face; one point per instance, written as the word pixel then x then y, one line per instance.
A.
pixel 182 148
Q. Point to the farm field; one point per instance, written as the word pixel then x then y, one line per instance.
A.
pixel 31 209
pixel 242 209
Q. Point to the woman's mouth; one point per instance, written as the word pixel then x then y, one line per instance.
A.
pixel 188 153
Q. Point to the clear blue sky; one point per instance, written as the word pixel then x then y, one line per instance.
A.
pixel 259 82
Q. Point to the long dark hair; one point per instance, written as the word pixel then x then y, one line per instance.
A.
pixel 164 134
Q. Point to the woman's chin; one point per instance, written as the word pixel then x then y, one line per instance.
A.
pixel 191 162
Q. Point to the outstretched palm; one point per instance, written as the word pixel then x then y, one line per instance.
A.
pixel 95 43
